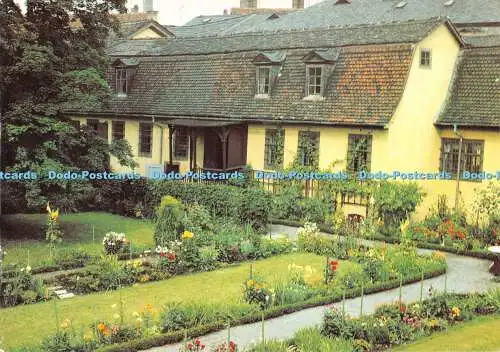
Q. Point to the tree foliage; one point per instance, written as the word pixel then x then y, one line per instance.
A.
pixel 52 62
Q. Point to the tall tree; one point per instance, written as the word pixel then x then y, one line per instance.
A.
pixel 52 60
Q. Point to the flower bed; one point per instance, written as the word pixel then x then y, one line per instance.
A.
pixel 392 324
pixel 300 288
pixel 482 254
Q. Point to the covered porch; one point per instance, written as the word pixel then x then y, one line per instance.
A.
pixel 223 145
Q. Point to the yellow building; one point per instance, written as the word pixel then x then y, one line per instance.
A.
pixel 384 97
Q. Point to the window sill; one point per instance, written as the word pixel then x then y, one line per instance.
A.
pixel 314 97
pixel 144 155
pixel 262 96
pixel 121 95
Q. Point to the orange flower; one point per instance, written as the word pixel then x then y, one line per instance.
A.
pixel 101 327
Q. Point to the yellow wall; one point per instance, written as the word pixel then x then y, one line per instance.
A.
pixel 413 142
pixel 147 33
pixel 158 157
pixel 332 145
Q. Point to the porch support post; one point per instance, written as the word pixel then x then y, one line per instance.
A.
pixel 223 133
pixel 170 145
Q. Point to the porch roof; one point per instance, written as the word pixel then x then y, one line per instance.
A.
pixel 190 122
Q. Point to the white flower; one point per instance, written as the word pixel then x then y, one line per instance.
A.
pixel 158 249
pixel 28 269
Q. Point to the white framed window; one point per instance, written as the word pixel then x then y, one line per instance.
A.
pixel 314 80
pixel 425 58
pixel 263 80
pixel 121 81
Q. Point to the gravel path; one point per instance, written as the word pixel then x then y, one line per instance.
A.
pixel 465 274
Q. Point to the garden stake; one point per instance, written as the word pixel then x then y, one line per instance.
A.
pixel 93 234
pixel 343 304
pixel 326 270
pixel 400 289
pixel 228 331
pixel 251 271
pixel 362 299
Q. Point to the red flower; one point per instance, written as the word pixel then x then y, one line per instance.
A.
pixel 402 308
pixel 202 347
pixel 334 265
pixel 190 346
pixel 197 341
pixel 171 256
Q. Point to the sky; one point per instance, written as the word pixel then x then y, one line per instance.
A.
pixel 178 12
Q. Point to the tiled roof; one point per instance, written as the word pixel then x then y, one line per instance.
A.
pixel 475 93
pixel 327 13
pixel 405 32
pixel 364 87
pixel 479 41
pixel 224 24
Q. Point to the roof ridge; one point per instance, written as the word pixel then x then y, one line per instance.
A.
pixel 439 19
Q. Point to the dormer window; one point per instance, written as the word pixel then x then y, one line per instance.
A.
pixel 124 73
pixel 121 80
pixel 314 80
pixel 319 67
pixel 263 80
pixel 268 69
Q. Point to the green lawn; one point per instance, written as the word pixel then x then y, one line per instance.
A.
pixel 24 232
pixel 481 335
pixel 29 324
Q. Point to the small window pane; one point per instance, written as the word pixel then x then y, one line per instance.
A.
pixel 118 130
pixel 359 152
pixel 181 143
pixel 471 157
pixel 145 139
pixel 263 80
pixel 121 81
pixel 308 148
pixel 274 149
pixel 314 81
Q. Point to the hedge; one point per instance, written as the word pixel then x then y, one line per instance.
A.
pixel 178 336
pixel 381 238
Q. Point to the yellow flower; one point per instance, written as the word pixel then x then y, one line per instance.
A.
pixel 250 283
pixel 187 234
pixel 404 226
pixel 148 307
pixel 455 312
pixel 439 255
pixel 135 314
pixel 65 324
pixel 88 336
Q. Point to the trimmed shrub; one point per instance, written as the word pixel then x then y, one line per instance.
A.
pixel 168 221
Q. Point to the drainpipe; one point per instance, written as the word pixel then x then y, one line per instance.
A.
pixel 457 190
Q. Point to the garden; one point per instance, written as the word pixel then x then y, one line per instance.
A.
pixel 178 260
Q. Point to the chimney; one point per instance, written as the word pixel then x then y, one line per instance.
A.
pixel 248 4
pixel 298 4
pixel 148 6
pixel 135 9
pixel 225 12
